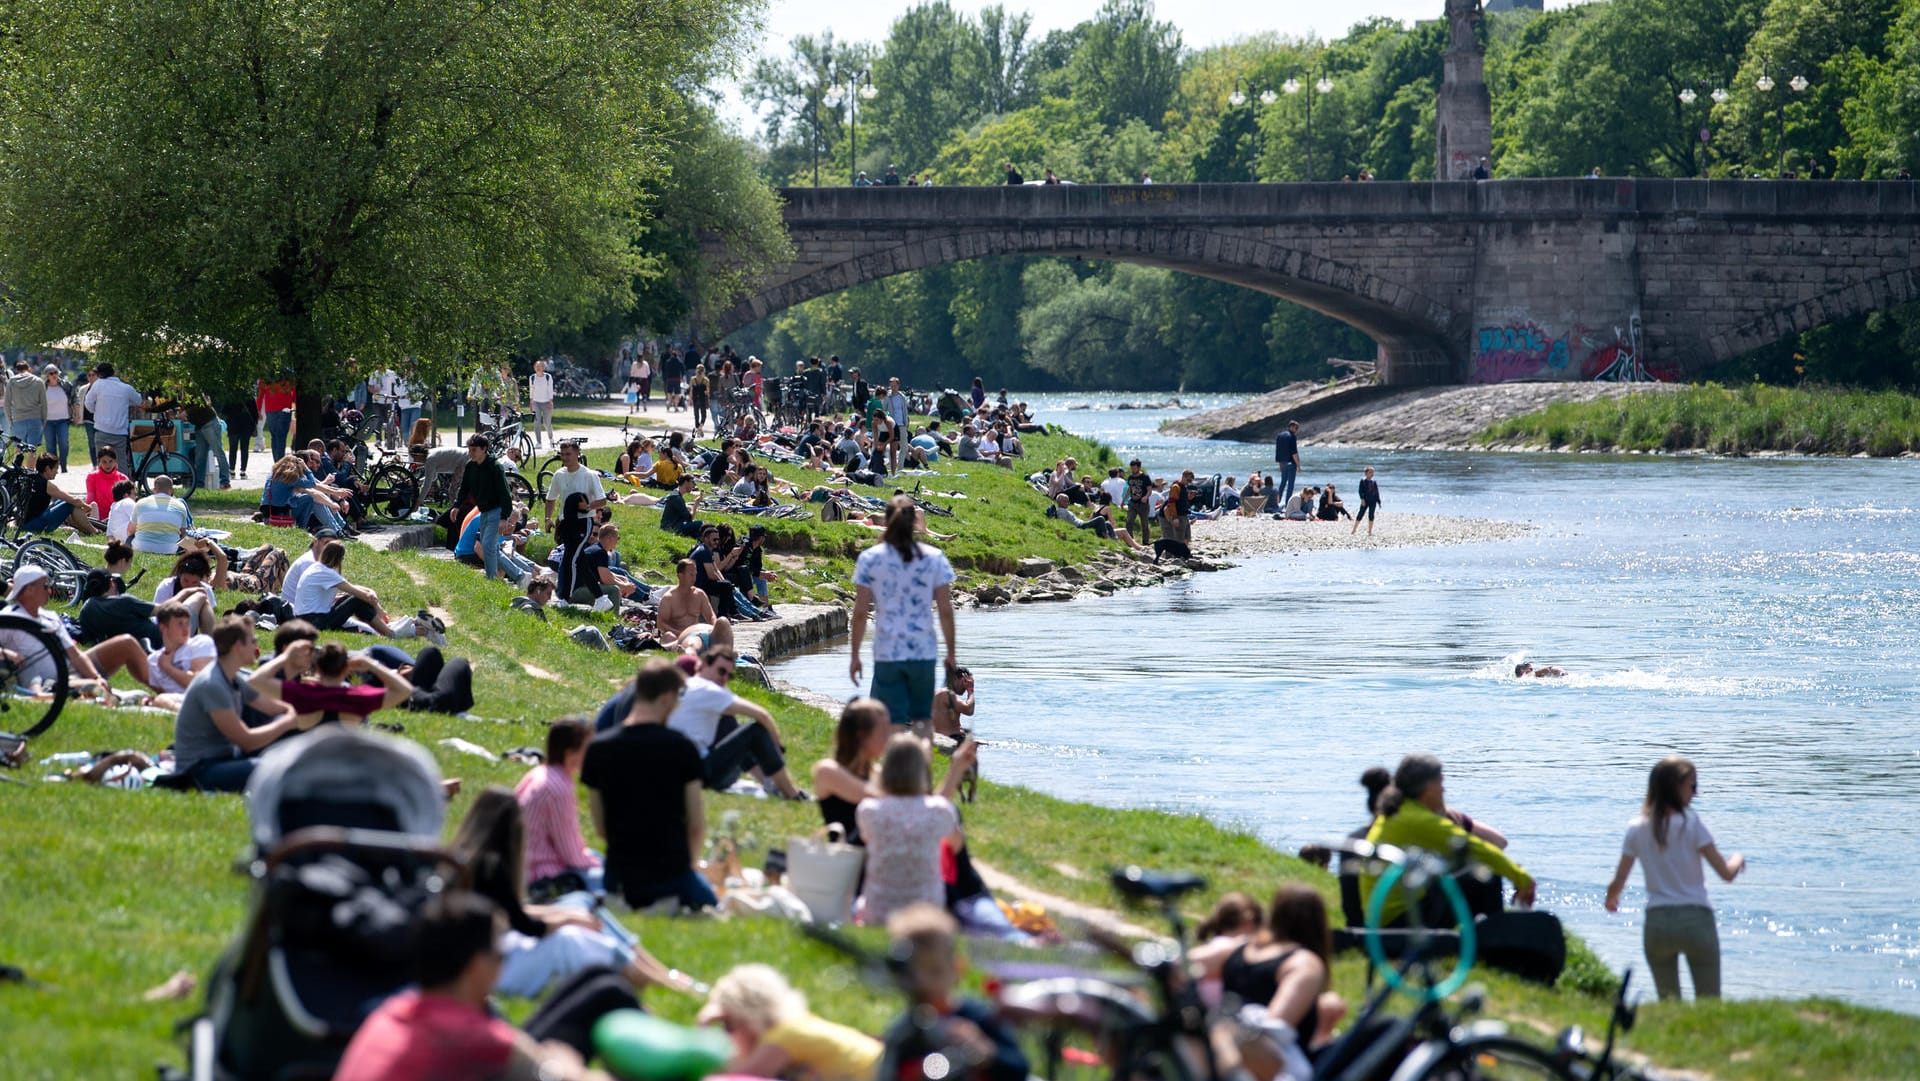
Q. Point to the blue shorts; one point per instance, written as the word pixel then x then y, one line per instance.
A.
pixel 906 687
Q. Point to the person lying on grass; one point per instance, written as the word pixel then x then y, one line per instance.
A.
pixel 775 1035
pixel 434 682
pixel 877 521
pixel 318 684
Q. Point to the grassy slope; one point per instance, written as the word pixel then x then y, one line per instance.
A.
pixel 105 893
pixel 1727 420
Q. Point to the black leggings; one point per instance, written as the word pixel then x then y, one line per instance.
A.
pixel 345 607
pixel 568 1015
pixel 440 685
pixel 1366 511
pixel 746 744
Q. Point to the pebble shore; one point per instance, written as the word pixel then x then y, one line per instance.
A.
pixel 1228 537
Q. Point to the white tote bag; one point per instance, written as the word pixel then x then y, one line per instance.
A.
pixel 824 871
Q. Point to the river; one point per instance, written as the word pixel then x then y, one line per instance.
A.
pixel 1756 615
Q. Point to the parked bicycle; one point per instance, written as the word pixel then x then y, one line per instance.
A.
pixel 156 461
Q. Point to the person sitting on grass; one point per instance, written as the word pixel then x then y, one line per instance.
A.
pixel 543 943
pixel 318 682
pixel 27 598
pixel 1103 508
pixel 47 506
pixel 100 483
pixel 646 788
pixel 676 514
pixel 594 577
pixel 558 859
pixel 329 602
pixel 775 1035
pixel 903 825
pixel 1412 811
pixel 213 745
pixel 537 598
pixel 181 656
pixel 706 714
pixel 1282 970
pixel 925 940
pixel 160 520
pixel 1062 509
pixel 199 571
pixel 309 503
pixel 108 610
pixel 841 782
pixel 684 618
pixel 445 1026
pixel 120 515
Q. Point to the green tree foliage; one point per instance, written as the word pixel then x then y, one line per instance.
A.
pixel 1126 65
pixel 291 185
pixel 807 139
pixel 1883 117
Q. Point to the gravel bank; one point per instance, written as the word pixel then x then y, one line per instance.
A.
pixel 1225 537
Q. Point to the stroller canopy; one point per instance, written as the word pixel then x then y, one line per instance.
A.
pixel 336 776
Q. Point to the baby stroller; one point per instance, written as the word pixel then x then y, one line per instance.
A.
pixel 345 852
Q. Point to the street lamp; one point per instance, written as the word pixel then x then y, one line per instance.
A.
pixel 1323 85
pixel 1765 84
pixel 1688 97
pixel 857 89
pixel 1238 98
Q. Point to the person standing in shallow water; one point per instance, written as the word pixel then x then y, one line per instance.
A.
pixel 1369 502
pixel 1670 841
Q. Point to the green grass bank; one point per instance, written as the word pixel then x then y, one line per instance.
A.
pixel 105 893
pixel 1752 418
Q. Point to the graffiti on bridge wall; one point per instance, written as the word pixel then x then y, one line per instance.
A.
pixel 1520 348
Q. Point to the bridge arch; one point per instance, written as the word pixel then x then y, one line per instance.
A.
pixel 1873 294
pixel 1405 322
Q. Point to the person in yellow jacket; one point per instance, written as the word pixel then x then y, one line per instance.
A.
pixel 1413 814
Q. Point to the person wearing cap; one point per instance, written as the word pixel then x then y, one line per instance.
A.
pixel 47 505
pixel 27 596
pixel 485 482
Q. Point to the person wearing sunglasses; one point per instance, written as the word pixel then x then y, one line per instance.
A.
pixel 732 733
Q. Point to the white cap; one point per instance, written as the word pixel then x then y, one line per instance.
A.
pixel 23 578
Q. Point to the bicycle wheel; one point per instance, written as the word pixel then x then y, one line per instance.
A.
pixel 1481 1058
pixel 390 492
pixel 520 488
pixel 545 479
pixel 525 442
pixel 47 554
pixel 33 676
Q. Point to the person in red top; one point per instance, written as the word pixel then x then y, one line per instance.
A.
pixel 274 402
pixel 550 808
pixel 106 473
pixel 443 1031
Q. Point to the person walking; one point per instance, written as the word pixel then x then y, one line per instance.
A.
pixel 540 395
pixel 903 583
pixel 1369 502
pixel 273 402
pixel 1670 841
pixel 1286 451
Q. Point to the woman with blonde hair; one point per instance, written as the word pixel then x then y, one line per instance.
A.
pixel 775 1035
pixel 1670 841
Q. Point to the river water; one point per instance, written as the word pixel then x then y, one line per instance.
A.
pixel 1758 616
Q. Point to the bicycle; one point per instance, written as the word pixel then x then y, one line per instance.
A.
pixel 15 479
pixel 31 697
pixel 739 405
pixel 157 461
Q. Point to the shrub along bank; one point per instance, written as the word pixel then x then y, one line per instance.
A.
pixel 105 893
pixel 1748 419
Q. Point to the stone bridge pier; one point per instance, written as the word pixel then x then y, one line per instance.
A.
pixel 1454 281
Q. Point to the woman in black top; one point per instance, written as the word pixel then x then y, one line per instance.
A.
pixel 1284 967
pixel 841 782
pixel 1331 509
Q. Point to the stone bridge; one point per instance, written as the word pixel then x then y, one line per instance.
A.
pixel 1456 282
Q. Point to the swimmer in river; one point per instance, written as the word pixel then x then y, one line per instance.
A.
pixel 1545 671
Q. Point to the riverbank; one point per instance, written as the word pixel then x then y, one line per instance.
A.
pixel 111 892
pixel 1751 418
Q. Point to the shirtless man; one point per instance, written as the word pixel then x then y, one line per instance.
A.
pixel 1546 671
pixel 685 618
pixel 953 702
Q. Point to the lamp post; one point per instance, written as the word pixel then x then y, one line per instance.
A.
pixel 1765 85
pixel 1321 85
pixel 855 90
pixel 1238 98
pixel 1716 96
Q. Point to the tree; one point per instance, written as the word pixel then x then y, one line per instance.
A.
pixel 1126 65
pixel 929 75
pixel 803 133
pixel 303 186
